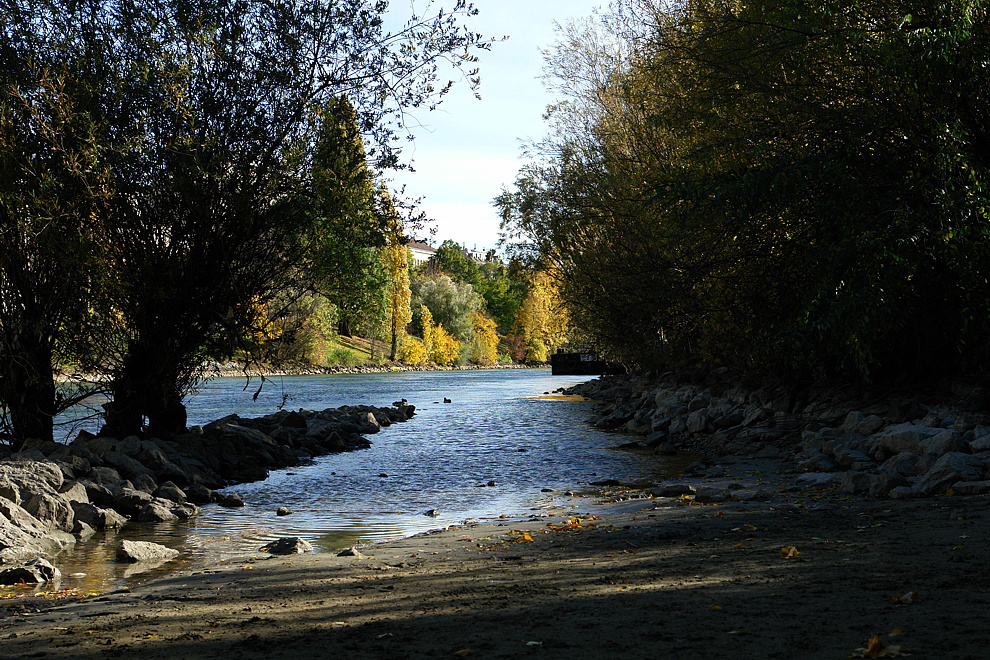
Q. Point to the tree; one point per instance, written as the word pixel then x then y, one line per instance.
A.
pixel 53 193
pixel 219 196
pixel 778 186
pixel 451 260
pixel 450 302
pixel 395 258
pixel 343 254
pixel 542 320
pixel 484 348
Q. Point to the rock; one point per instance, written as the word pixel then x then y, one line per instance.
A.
pixel 817 463
pixel 818 479
pixel 157 510
pixel 905 493
pixel 169 491
pixel 130 502
pixel 128 467
pixel 433 513
pixel 82 531
pixel 966 488
pixel 74 492
pixel 856 482
pixel 904 464
pixel 901 437
pixel 96 517
pixel 350 552
pixel 943 443
pixel 885 482
pixel 199 494
pixel 36 571
pixel 145 483
pixel 283 511
pixel 665 449
pixel 711 495
pixel 135 551
pixel 291 545
pixel 51 510
pixel 672 490
pixel 228 500
pixel 846 456
pixel 698 421
pixel 105 476
pixel 949 469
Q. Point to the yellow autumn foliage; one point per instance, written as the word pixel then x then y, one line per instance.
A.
pixel 484 349
pixel 412 351
pixel 440 345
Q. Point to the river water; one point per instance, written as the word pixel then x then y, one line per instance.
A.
pixel 499 428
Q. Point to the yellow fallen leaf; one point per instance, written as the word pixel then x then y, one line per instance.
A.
pixel 896 632
pixel 751 528
pixel 789 552
pixel 527 538
pixel 463 652
pixel 714 607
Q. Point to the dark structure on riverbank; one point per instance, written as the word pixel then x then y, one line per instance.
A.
pixel 582 364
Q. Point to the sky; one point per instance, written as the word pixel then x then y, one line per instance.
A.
pixel 467 150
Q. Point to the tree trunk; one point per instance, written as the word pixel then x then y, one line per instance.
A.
pixel 145 388
pixel 29 393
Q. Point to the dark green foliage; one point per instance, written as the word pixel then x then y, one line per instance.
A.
pixel 793 187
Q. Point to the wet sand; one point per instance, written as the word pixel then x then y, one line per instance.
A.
pixel 804 573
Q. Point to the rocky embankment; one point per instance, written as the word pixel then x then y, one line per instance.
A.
pixel 53 495
pixel 890 446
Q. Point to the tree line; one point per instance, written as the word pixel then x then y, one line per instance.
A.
pixel 784 187
pixel 176 177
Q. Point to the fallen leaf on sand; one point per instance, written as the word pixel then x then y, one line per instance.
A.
pixel 789 552
pixel 463 653
pixel 875 649
pixel 714 608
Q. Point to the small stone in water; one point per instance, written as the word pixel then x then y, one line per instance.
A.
pixel 546 490
pixel 383 475
pixel 283 511
pixel 492 483
pixel 433 513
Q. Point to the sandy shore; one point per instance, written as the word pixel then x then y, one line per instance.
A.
pixel 804 573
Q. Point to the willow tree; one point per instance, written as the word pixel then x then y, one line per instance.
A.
pixel 215 212
pixel 54 190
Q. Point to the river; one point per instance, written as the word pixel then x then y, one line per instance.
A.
pixel 499 428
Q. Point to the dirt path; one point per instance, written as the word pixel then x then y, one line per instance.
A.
pixel 650 578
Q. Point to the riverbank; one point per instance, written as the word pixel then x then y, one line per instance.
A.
pixel 786 570
pixel 235 370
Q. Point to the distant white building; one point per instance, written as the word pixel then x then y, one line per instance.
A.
pixel 421 252
pixel 477 255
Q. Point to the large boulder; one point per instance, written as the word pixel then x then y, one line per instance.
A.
pixel 901 437
pixel 19 481
pixel 36 571
pixel 51 510
pixel 949 469
pixel 96 517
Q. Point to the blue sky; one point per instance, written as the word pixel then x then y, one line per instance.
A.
pixel 467 150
